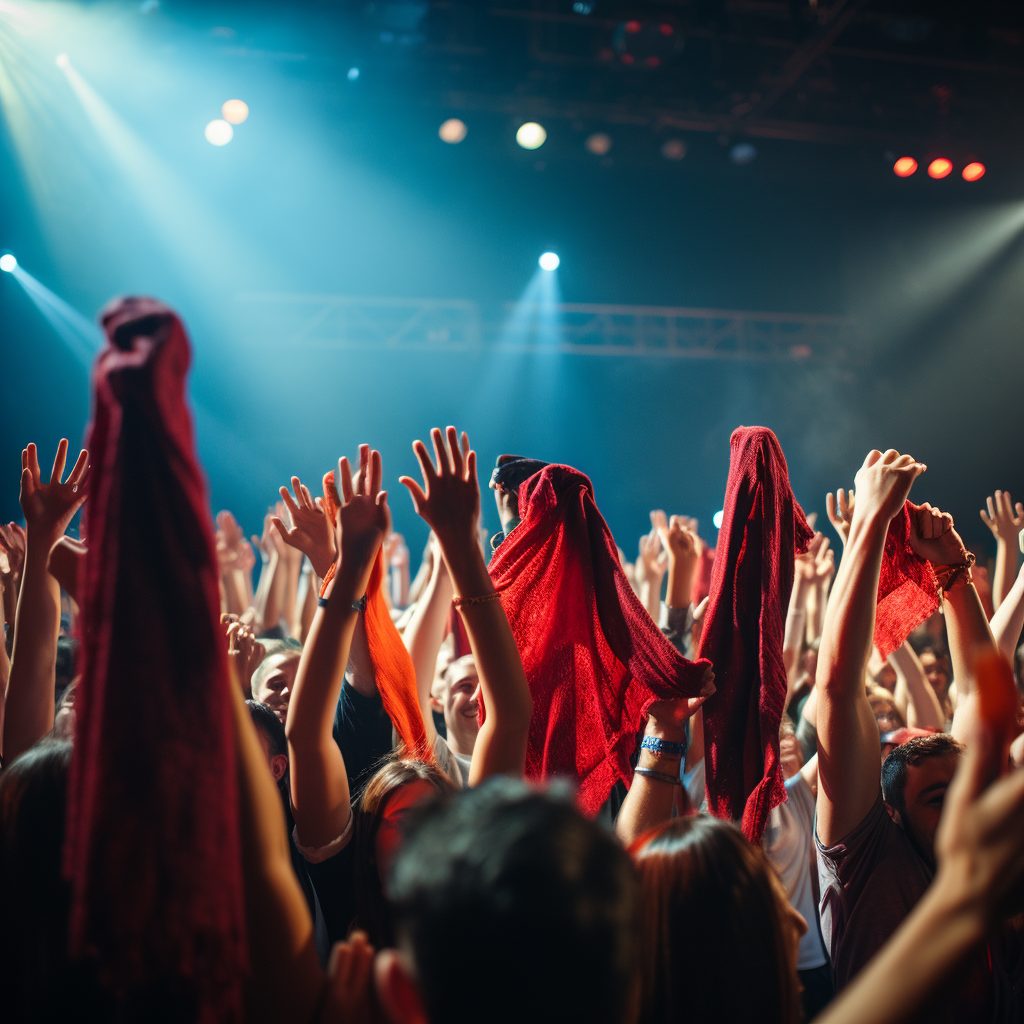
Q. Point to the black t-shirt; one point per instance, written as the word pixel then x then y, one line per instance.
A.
pixel 362 731
pixel 334 882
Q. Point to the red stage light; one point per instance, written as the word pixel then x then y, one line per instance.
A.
pixel 653 62
pixel 628 58
pixel 665 30
pixel 633 26
pixel 974 171
pixel 905 166
pixel 940 167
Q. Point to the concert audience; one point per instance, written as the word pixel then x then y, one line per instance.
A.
pixel 756 782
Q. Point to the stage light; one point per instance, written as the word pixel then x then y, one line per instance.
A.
pixel 742 153
pixel 717 518
pixel 219 133
pixel 353 74
pixel 599 144
pixel 673 149
pixel 940 167
pixel 8 262
pixel 235 111
pixel 974 171
pixel 905 167
pixel 632 27
pixel 453 131
pixel 531 135
pixel 583 7
pixel 549 261
pixel 63 61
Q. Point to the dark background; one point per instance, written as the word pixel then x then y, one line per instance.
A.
pixel 343 187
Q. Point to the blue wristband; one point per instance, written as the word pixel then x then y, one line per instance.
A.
pixel 659 746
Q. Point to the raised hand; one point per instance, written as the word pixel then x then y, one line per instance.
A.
pixel 12 551
pixel 311 532
pixel 449 500
pixel 934 538
pixel 883 483
pixel 839 507
pixel 678 536
pixel 396 552
pixel 229 538
pixel 824 562
pixel 652 563
pixel 806 564
pixel 364 519
pixel 245 652
pixel 1003 518
pixel 49 507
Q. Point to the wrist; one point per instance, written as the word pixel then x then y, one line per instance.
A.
pixel 667 731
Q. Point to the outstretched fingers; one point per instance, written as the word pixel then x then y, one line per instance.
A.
pixel 375 477
pixel 345 476
pixel 80 470
pixel 59 461
pixel 444 467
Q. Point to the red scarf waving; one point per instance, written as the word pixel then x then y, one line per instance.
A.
pixel 762 529
pixel 152 845
pixel 594 659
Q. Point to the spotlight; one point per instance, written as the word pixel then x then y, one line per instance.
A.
pixel 453 131
pixel 905 167
pixel 599 144
pixel 63 61
pixel 234 111
pixel 940 167
pixel 219 133
pixel 353 74
pixel 742 153
pixel 547 261
pixel 583 7
pixel 673 149
pixel 531 135
pixel 973 171
pixel 717 518
pixel 8 262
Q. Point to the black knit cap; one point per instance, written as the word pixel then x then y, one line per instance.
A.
pixel 511 470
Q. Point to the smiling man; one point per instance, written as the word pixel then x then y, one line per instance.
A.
pixel 274 679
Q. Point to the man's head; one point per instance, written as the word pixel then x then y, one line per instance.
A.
pixel 274 678
pixel 790 753
pixel 509 472
pixel 272 738
pixel 915 777
pixel 540 904
pixel 462 704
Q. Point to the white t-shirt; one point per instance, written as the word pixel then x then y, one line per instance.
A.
pixel 455 766
pixel 789 845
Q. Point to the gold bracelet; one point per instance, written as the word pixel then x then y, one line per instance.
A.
pixel 462 602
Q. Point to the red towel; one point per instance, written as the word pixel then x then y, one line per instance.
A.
pixel 594 659
pixel 762 528
pixel 152 844
pixel 908 592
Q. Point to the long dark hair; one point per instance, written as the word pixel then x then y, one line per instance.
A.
pixel 373 913
pixel 714 945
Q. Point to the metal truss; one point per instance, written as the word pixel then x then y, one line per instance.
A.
pixel 432 325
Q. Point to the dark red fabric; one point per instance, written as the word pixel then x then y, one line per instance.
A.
pixel 152 843
pixel 593 657
pixel 908 592
pixel 762 529
pixel 702 577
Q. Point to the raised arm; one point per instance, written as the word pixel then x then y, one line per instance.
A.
pixel 319 782
pixel 425 633
pixel 1005 520
pixel 650 569
pixel 1008 621
pixel 849 768
pixel 923 708
pixel 449 501
pixel 683 548
pixel 48 509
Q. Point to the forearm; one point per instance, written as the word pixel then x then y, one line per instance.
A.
pixel 233 589
pixel 969 637
pixel 29 706
pixel 309 591
pixel 796 618
pixel 817 601
pixel 923 708
pixel 425 633
pixel 650 595
pixel 1002 577
pixel 650 800
pixel 401 596
pixel 265 602
pixel 1008 621
pixel 290 589
pixel 681 572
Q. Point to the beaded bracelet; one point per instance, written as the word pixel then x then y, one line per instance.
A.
pixel 650 773
pixel 666 748
pixel 463 602
pixel 951 576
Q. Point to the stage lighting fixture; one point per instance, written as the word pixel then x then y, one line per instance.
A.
pixel 219 133
pixel 531 135
pixel 599 144
pixel 453 131
pixel 63 61
pixel 939 167
pixel 673 149
pixel 8 262
pixel 742 153
pixel 353 74
pixel 905 167
pixel 234 111
pixel 549 261
pixel 716 519
pixel 973 171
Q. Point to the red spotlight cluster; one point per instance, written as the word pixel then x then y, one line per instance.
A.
pixel 905 166
pixel 973 171
pixel 940 167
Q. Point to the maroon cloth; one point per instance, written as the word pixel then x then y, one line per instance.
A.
pixel 908 592
pixel 152 845
pixel 762 529
pixel 594 659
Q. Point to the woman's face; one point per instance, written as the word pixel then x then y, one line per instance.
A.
pixel 389 834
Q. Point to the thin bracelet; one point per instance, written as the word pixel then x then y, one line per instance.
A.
pixel 357 606
pixel 650 773
pixel 463 602
pixel 667 748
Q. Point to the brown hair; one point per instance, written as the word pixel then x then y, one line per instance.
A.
pixel 713 938
pixel 373 913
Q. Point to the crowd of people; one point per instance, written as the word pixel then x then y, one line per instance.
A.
pixel 535 780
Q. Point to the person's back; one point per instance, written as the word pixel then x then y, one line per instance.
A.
pixel 511 906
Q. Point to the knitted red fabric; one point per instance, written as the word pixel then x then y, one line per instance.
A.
pixel 152 843
pixel 702 577
pixel 593 658
pixel 762 528
pixel 908 592
pixel 392 664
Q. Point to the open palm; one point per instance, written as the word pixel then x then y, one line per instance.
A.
pixel 49 507
pixel 311 532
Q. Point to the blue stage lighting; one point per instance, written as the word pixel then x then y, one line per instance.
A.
pixel 8 262
pixel 353 74
pixel 549 261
